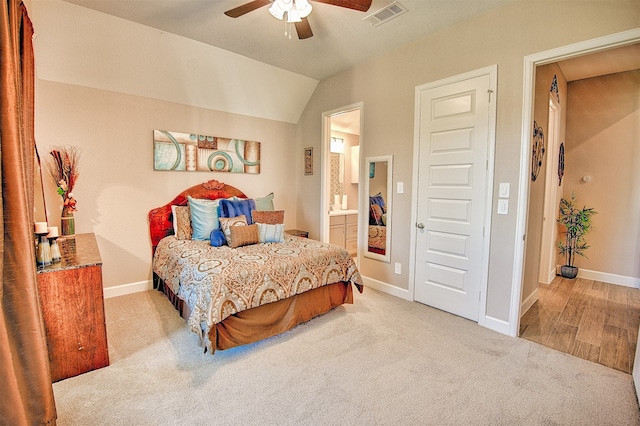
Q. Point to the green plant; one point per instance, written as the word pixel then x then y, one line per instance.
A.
pixel 577 223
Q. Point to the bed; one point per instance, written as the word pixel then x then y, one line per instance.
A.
pixel 231 296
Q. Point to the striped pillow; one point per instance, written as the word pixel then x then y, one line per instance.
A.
pixel 268 233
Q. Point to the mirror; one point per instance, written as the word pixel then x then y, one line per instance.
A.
pixel 378 191
pixel 40 206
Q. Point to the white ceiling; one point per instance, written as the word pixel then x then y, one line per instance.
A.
pixel 341 37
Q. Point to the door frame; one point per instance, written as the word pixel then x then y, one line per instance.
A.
pixel 492 71
pixel 530 63
pixel 325 169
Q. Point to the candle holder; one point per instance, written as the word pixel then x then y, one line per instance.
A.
pixel 55 250
pixel 43 252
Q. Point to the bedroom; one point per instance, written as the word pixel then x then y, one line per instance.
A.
pixel 94 99
pixel 113 122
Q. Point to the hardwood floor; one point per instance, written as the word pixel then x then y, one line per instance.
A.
pixel 589 319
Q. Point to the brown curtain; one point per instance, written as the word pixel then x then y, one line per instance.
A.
pixel 27 394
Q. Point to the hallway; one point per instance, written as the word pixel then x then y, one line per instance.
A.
pixel 588 319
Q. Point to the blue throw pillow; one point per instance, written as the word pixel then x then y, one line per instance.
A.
pixel 234 208
pixel 217 238
pixel 204 217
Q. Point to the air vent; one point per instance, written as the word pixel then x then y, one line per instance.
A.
pixel 385 14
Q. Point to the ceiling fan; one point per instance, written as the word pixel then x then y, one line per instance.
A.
pixel 297 11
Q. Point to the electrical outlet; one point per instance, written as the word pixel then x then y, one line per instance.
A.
pixel 398 268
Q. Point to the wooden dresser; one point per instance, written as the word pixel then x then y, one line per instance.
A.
pixel 72 301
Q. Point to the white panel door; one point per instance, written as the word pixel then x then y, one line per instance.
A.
pixel 452 182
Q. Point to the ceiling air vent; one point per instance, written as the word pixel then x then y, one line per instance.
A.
pixel 385 14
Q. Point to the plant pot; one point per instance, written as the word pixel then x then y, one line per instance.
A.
pixel 569 271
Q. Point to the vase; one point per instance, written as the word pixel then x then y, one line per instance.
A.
pixel 67 222
pixel 569 271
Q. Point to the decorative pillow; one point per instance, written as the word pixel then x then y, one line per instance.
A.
pixel 204 217
pixel 384 219
pixel 265 203
pixel 243 235
pixel 271 233
pixel 234 208
pixel 181 222
pixel 270 217
pixel 379 200
pixel 217 238
pixel 375 216
pixel 227 222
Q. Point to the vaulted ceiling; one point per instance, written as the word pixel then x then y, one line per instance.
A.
pixel 341 38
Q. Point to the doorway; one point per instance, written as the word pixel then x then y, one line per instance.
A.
pixel 602 44
pixel 340 188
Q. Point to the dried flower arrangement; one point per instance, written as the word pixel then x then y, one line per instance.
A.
pixel 63 167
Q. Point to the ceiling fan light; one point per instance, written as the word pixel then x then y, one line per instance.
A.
pixel 293 16
pixel 276 10
pixel 303 7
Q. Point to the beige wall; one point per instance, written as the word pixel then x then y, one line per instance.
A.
pixel 603 142
pixel 544 78
pixel 386 86
pixel 118 186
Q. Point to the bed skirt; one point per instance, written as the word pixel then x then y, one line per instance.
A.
pixel 271 319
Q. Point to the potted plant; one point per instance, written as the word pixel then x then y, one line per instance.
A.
pixel 577 223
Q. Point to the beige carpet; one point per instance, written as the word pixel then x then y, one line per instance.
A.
pixel 380 361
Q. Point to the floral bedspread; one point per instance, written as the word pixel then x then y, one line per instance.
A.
pixel 216 282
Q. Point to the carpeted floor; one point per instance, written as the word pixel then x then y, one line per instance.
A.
pixel 380 361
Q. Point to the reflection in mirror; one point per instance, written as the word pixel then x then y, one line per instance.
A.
pixel 40 210
pixel 378 190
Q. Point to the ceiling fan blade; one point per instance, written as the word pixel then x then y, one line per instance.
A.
pixel 359 5
pixel 303 29
pixel 246 8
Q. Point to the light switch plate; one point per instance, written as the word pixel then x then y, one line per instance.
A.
pixel 398 269
pixel 400 188
pixel 504 190
pixel 503 206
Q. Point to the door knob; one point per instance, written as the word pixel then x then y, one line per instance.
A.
pixel 420 225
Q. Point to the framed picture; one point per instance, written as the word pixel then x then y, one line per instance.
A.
pixel 192 152
pixel 308 161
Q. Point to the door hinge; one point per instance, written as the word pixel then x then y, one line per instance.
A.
pixel 489 92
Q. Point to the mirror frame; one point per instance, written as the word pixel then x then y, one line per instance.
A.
pixel 386 257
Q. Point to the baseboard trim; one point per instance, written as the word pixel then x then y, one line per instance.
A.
pixel 121 290
pixel 387 288
pixel 528 302
pixel 606 277
pixel 497 325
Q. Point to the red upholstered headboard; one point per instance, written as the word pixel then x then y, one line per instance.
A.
pixel 161 220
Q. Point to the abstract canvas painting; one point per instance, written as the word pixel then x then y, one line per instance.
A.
pixel 193 152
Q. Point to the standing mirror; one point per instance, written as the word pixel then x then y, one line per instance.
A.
pixel 378 191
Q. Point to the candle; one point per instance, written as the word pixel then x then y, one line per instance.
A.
pixel 344 202
pixel 53 232
pixel 336 200
pixel 41 228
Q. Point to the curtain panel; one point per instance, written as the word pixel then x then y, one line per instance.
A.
pixel 25 380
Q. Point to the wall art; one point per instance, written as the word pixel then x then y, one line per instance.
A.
pixel 561 164
pixel 308 161
pixel 537 152
pixel 192 152
pixel 554 88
